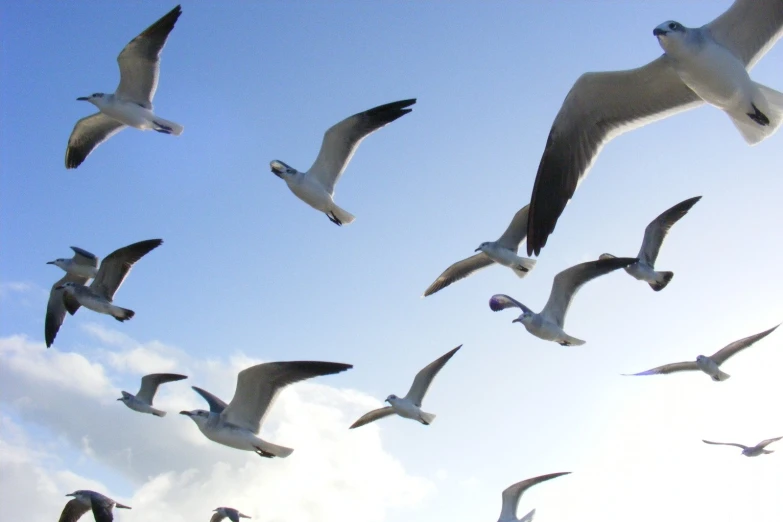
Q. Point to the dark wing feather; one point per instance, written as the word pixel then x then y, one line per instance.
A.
pixel 87 134
pixel 56 307
pixel 459 270
pixel 116 266
pixel 73 511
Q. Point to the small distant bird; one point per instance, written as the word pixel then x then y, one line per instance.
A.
pixel 85 500
pixel 70 292
pixel 710 365
pixel 226 512
pixel 236 424
pixel 131 103
pixel 142 401
pixel 700 64
pixel 513 493
pixel 548 325
pixel 503 251
pixel 750 451
pixel 316 186
pixel 654 234
pixel 410 405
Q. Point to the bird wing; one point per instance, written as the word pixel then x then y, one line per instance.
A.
pixel 513 493
pixel 83 257
pixel 600 106
pixel 500 302
pixel 73 511
pixel 724 353
pixel 659 227
pixel 217 517
pixel 102 508
pixel 139 61
pixel 516 231
pixel 150 383
pixel 216 404
pixel 88 133
pixel 116 266
pixel 423 379
pixel 341 140
pixel 232 514
pixel 373 415
pixel 749 28
pixel 725 444
pixel 670 368
pixel 767 442
pixel 459 270
pixel 55 308
pixel 258 386
pixel 568 282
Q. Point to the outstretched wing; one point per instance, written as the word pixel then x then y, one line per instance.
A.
pixel 373 415
pixel 216 404
pixel 423 379
pixel 749 28
pixel 117 265
pixel 516 231
pixel 669 368
pixel 55 308
pixel 73 511
pixel 459 270
pixel 724 353
pixel 513 493
pixel 659 227
pixel 150 383
pixel 500 302
pixel 88 133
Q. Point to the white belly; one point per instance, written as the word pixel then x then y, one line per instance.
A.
pixel 233 437
pixel 547 331
pixel 717 76
pixel 96 305
pixel 642 272
pixel 130 114
pixel 502 256
pixel 82 271
pixel 312 193
pixel 407 409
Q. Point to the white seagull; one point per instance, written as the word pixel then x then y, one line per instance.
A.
pixel 316 186
pixel 750 451
pixel 654 234
pixel 503 251
pixel 226 512
pixel 706 64
pixel 512 494
pixel 237 423
pixel 709 365
pixel 131 103
pixel 410 405
pixel 142 401
pixel 85 500
pixel 70 292
pixel 548 325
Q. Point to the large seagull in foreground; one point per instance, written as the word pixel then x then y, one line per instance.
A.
pixel 700 64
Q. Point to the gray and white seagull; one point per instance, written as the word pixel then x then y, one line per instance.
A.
pixel 82 267
pixel 131 104
pixel 548 325
pixel 316 186
pixel 503 251
pixel 749 451
pixel 513 493
pixel 654 234
pixel 237 423
pixel 226 512
pixel 709 365
pixel 700 64
pixel 85 500
pixel 410 405
pixel 142 401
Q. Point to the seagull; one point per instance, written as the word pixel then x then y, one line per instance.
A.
pixel 236 424
pixel 226 512
pixel 750 451
pixel 654 234
pixel 706 64
pixel 131 103
pixel 548 325
pixel 503 251
pixel 513 493
pixel 410 405
pixel 80 269
pixel 709 365
pixel 316 186
pixel 142 401
pixel 84 500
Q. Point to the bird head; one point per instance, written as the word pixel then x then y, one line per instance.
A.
pixel 95 98
pixel 523 318
pixel 125 396
pixel 670 35
pixel 281 170
pixel 606 256
pixel 60 262
pixel 82 495
pixel 65 286
pixel 391 398
pixel 200 417
pixel 482 246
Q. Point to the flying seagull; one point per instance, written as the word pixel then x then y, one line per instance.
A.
pixel 237 423
pixel 707 64
pixel 750 451
pixel 654 234
pixel 503 251
pixel 226 512
pixel 142 401
pixel 410 405
pixel 513 493
pixel 80 269
pixel 710 365
pixel 131 103
pixel 85 500
pixel 316 186
pixel 548 325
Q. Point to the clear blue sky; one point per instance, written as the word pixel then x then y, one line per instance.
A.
pixel 248 273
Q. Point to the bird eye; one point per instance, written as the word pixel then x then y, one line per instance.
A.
pixel 673 26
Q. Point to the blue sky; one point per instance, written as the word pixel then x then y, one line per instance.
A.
pixel 248 273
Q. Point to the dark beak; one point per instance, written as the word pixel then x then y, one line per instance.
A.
pixel 185 413
pixel 119 399
pixel 59 287
pixel 50 262
pixel 517 320
pixel 82 98
pixel 658 32
pixel 477 249
pixel 278 174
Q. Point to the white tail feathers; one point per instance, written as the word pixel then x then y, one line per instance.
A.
pixel 274 449
pixel 770 104
pixel 122 314
pixel 158 413
pixel 722 376
pixel 664 278
pixel 528 517
pixel 524 266
pixel 168 126
pixel 345 218
pixel 427 418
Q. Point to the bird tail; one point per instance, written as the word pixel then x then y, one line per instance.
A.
pixel 122 314
pixel 572 341
pixel 426 418
pixel 722 376
pixel 768 104
pixel 524 266
pixel 768 451
pixel 342 217
pixel 121 506
pixel 666 279
pixel 158 413
pixel 528 517
pixel 267 449
pixel 167 127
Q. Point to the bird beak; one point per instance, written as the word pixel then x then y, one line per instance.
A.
pixel 185 413
pixel 50 262
pixel 59 287
pixel 82 98
pixel 477 249
pixel 277 169
pixel 517 320
pixel 658 32
pixel 70 495
pixel 387 400
pixel 119 399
